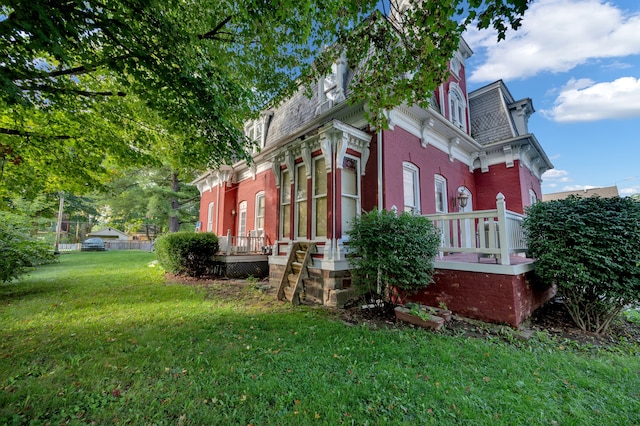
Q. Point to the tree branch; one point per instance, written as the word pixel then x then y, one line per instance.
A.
pixel 21 133
pixel 45 88
pixel 213 34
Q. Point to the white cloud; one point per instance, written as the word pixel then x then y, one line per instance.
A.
pixel 578 187
pixel 584 100
pixel 556 36
pixel 629 190
pixel 554 174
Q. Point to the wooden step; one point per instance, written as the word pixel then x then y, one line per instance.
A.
pixel 300 254
pixel 293 279
pixel 296 267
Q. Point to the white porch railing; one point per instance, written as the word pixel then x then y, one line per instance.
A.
pixel 236 244
pixel 497 233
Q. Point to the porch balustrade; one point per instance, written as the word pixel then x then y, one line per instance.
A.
pixel 237 244
pixel 497 233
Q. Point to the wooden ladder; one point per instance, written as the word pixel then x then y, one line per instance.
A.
pixel 291 284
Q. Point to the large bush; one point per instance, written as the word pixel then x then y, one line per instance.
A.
pixel 589 248
pixel 18 250
pixel 187 253
pixel 392 251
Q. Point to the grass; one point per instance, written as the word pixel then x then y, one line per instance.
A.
pixel 102 338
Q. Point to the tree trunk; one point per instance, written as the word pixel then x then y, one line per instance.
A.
pixel 174 220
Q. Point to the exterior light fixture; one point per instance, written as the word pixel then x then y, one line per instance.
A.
pixel 463 199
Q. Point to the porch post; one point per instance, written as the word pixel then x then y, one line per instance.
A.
pixel 503 232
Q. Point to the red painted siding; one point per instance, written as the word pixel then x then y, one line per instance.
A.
pixel 497 298
pixel 499 178
pixel 400 146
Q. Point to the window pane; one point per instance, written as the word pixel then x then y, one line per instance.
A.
pixel 321 217
pixel 349 211
pixel 285 187
pixel 320 178
pixel 301 184
pixel 440 197
pixel 349 182
pixel 286 221
pixel 409 190
pixel 302 219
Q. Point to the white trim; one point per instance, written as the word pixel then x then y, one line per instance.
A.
pixel 256 209
pixel 441 179
pixel 242 219
pixel 210 216
pixel 411 170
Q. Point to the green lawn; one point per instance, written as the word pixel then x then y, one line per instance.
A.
pixel 102 338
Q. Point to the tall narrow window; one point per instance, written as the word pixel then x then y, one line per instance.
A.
pixel 285 206
pixel 411 187
pixel 301 201
pixel 457 108
pixel 210 217
pixel 533 198
pixel 242 219
pixel 259 211
pixel 441 194
pixel 320 197
pixel 350 192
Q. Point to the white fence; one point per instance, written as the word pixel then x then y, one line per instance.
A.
pixel 111 245
pixel 497 233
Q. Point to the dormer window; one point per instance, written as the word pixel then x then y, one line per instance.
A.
pixel 254 131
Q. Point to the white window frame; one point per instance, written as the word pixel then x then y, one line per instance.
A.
pixel 441 188
pixel 285 185
pixel 258 216
pixel 210 217
pixel 242 219
pixel 533 198
pixel 351 196
pixel 410 170
pixel 296 209
pixel 457 107
pixel 317 196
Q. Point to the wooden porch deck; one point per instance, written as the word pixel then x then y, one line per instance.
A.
pixel 514 259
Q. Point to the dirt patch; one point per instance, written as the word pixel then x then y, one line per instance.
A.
pixel 552 318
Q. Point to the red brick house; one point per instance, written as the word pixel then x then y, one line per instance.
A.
pixel 321 163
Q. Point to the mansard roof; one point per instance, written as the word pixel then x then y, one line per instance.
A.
pixel 495 115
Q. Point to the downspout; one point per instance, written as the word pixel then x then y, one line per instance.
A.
pixel 218 206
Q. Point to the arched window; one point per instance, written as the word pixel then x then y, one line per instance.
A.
pixel 210 218
pixel 259 225
pixel 242 219
pixel 441 194
pixel 411 187
pixel 457 107
pixel 533 198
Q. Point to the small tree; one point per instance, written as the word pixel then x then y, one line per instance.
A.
pixel 589 248
pixel 187 253
pixel 392 251
pixel 18 250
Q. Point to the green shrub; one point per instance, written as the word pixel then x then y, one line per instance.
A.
pixel 18 251
pixel 390 251
pixel 589 248
pixel 187 253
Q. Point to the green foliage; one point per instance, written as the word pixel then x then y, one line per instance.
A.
pixel 18 251
pixel 140 81
pixel 589 248
pixel 632 315
pixel 390 251
pixel 187 253
pixel 125 346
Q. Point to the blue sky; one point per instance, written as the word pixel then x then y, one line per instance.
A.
pixel 579 61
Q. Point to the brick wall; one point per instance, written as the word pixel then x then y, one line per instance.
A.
pixel 509 299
